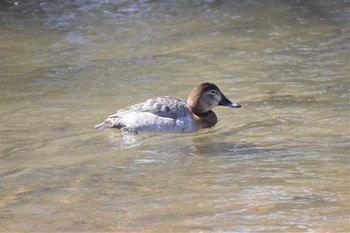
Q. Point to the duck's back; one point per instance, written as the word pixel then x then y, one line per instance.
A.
pixel 158 114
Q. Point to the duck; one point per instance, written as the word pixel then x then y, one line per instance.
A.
pixel 170 113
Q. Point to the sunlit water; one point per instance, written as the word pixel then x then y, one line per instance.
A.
pixel 278 164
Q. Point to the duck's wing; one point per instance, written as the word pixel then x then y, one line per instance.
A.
pixel 165 107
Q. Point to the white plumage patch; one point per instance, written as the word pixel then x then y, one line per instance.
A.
pixel 146 121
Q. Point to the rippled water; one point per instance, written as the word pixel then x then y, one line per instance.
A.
pixel 279 163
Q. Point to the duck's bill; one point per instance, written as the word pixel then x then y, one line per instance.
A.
pixel 226 102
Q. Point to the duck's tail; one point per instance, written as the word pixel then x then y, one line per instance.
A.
pixel 103 125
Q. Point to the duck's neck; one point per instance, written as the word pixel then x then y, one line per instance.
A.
pixel 201 112
pixel 196 105
pixel 207 119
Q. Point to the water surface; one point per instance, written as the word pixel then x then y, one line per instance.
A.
pixel 279 163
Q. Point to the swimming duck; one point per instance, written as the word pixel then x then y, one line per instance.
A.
pixel 171 114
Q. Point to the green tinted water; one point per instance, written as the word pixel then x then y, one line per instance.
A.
pixel 280 163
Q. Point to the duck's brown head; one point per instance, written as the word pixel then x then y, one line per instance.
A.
pixel 205 97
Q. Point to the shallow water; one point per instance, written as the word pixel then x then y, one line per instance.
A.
pixel 279 163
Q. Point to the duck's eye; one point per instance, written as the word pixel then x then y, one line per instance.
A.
pixel 213 92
